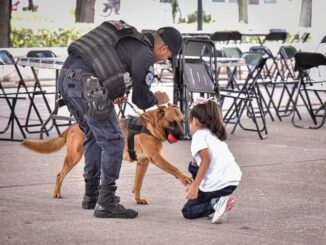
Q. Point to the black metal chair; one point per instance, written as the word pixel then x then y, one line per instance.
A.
pixel 288 85
pixel 310 92
pixel 276 35
pixel 286 57
pixel 195 74
pixel 236 37
pixel 247 98
pixel 272 69
pixel 59 102
pixel 226 37
pixel 305 37
pixel 11 98
pixel 221 36
pixel 38 89
pixel 322 42
pixel 232 52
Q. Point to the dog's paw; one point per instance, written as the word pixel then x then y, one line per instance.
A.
pixel 57 195
pixel 186 180
pixel 141 201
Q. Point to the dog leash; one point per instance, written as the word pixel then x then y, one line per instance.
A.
pixel 138 113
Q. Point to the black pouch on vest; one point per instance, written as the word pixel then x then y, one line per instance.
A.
pixel 96 100
pixel 117 85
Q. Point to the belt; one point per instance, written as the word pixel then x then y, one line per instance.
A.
pixel 76 74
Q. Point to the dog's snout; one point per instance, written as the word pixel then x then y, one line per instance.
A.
pixel 178 131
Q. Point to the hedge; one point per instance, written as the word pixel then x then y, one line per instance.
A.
pixel 24 37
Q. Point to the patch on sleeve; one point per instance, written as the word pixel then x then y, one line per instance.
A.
pixel 149 79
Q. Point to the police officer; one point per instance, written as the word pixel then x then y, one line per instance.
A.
pixel 102 65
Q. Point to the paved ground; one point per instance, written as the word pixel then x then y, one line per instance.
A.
pixel 281 199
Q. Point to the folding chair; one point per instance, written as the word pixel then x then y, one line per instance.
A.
pixel 11 99
pixel 286 56
pixel 59 102
pixel 38 90
pixel 54 117
pixel 235 36
pixel 246 98
pixel 305 37
pixel 275 35
pixel 221 36
pixel 251 59
pixel 272 69
pixel 322 43
pixel 232 52
pixel 310 92
pixel 195 74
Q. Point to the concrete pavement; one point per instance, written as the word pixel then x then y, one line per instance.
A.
pixel 281 199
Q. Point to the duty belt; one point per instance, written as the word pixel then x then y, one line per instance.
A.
pixel 76 74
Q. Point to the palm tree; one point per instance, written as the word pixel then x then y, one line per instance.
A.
pixel 85 10
pixel 5 16
pixel 243 11
pixel 306 13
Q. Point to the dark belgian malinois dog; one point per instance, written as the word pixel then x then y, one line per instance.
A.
pixel 163 123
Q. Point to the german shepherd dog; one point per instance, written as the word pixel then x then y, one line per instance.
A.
pixel 163 123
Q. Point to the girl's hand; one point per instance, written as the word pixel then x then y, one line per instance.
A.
pixel 192 191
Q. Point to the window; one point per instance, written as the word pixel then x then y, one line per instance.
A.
pixel 270 1
pixel 254 2
pixel 218 1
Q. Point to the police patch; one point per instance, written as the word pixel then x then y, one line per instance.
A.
pixel 149 79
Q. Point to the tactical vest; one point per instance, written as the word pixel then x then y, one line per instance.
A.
pixel 97 49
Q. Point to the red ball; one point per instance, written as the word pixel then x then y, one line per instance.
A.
pixel 171 138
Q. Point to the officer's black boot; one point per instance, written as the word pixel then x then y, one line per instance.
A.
pixel 108 205
pixel 91 193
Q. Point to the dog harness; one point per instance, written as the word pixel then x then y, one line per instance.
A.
pixel 134 127
pixel 97 49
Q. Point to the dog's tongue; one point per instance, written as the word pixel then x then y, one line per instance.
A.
pixel 171 138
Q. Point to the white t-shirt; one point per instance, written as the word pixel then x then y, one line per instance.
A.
pixel 223 170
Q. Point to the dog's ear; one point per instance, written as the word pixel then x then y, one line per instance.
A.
pixel 161 111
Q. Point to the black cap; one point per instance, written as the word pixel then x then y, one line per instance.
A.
pixel 172 38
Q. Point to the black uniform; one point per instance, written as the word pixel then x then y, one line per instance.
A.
pixel 103 146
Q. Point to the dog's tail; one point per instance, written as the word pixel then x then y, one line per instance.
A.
pixel 49 145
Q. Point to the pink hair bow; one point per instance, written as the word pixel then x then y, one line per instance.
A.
pixel 201 100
